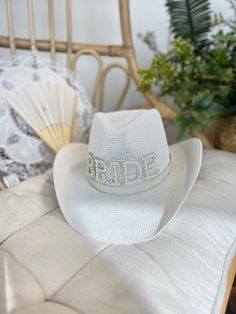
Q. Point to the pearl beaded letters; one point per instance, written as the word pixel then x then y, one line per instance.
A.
pixel 125 176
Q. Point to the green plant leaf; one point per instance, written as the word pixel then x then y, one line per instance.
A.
pixel 203 86
pixel 180 122
pixel 190 19
pixel 226 38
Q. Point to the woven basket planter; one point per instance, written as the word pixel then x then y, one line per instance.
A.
pixel 221 135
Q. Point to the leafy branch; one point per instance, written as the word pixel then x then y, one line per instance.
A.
pixel 204 87
pixel 190 19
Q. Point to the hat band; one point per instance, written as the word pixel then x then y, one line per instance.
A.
pixel 124 177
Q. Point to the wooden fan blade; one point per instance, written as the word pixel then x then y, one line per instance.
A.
pixel 55 145
pixel 49 108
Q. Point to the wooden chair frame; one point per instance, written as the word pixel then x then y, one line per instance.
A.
pixel 74 50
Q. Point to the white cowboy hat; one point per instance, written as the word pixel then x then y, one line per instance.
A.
pixel 127 184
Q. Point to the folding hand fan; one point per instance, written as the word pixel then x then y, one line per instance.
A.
pixel 49 108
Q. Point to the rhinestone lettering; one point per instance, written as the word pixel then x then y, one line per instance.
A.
pixel 150 167
pixel 123 172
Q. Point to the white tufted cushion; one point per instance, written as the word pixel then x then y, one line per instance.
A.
pixel 47 267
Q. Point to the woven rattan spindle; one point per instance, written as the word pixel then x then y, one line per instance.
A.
pixel 52 32
pixel 99 79
pixel 120 101
pixel 166 111
pixel 69 32
pixel 32 32
pixel 11 29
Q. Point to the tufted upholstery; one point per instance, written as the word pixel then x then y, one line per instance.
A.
pixel 46 267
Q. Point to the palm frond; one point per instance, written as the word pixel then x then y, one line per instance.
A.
pixel 190 19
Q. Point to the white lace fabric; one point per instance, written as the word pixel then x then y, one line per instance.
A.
pixel 22 152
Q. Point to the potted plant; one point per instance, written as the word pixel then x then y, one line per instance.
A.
pixel 199 71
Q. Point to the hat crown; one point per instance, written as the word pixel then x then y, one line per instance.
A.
pixel 128 151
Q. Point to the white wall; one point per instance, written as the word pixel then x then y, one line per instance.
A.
pixel 97 21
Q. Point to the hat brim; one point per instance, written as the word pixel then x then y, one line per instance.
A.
pixel 123 219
